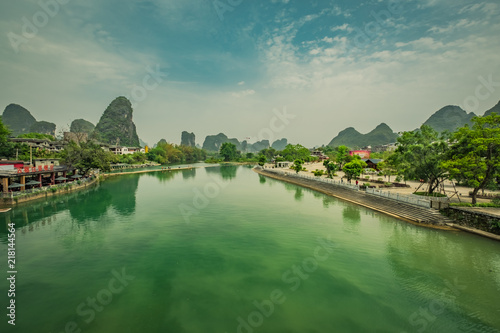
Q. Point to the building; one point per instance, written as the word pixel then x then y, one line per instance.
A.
pixel 43 144
pixel 320 155
pixel 119 150
pixel 15 176
pixel 372 163
pixel 361 153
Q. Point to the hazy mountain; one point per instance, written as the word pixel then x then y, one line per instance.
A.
pixel 495 109
pixel 81 126
pixel 381 135
pixel 43 127
pixel 213 142
pixel 449 118
pixel 116 124
pixel 188 139
pixel 280 144
pixel 17 119
pixel 259 145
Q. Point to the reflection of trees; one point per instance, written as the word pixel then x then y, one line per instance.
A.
pixel 123 193
pixel 163 176
pixel 226 172
pixel 298 193
pixel 351 213
pixel 262 179
pixel 190 173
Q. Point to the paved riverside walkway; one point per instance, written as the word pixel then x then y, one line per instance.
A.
pixel 400 210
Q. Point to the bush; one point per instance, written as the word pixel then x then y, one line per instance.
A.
pixel 53 189
pixel 388 184
pixel 398 179
pixel 380 179
pixel 496 201
pixel 366 184
pixel 367 177
pixel 318 173
pixel 435 195
pixel 483 204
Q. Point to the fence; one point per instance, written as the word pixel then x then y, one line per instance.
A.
pixel 318 179
pixel 410 199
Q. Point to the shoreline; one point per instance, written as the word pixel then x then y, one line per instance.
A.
pixel 360 202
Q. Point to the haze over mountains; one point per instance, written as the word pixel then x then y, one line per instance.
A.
pixel 116 126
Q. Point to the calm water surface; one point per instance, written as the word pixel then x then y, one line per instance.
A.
pixel 223 249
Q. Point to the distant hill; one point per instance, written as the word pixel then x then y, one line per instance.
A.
pixel 116 124
pixel 449 118
pixel 43 127
pixel 495 109
pixel 188 139
pixel 258 146
pixel 18 119
pixel 280 144
pixel 213 142
pixel 381 135
pixel 81 126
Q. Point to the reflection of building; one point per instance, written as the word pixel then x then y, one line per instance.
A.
pixel 360 153
pixel 119 150
pixel 15 176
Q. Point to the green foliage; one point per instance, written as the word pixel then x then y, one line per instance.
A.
pixel 482 204
pixel 40 136
pixel 167 153
pixel 229 152
pixel 354 168
pixel 43 127
pixel 269 153
pixel 420 155
pixel 330 167
pixel 297 152
pixel 318 173
pixel 297 165
pixel 262 160
pixel 426 194
pixel 342 156
pixel 6 147
pixel 116 123
pixel 474 158
pixel 81 126
pixel 85 157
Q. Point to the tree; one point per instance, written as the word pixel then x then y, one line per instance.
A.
pixel 474 158
pixel 343 156
pixel 354 168
pixel 330 167
pixel 297 165
pixel 420 155
pixel 262 160
pixel 85 157
pixel 6 147
pixel 296 152
pixel 229 152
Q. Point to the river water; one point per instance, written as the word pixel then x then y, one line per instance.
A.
pixel 223 249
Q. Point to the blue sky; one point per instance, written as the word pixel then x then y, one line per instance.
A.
pixel 231 65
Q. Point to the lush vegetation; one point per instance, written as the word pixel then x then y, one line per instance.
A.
pixel 37 136
pixel 85 157
pixel 167 153
pixel 116 125
pixel 81 126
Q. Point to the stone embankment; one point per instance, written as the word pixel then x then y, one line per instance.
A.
pixel 414 214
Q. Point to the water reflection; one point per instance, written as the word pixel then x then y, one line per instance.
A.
pixel 262 179
pixel 191 173
pixel 82 206
pixel 226 172
pixel 298 193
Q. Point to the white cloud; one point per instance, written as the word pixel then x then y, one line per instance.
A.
pixel 243 93
pixel 241 83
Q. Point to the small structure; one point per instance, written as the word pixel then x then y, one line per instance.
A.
pixel 361 153
pixel 283 164
pixel 372 163
pixel 120 150
pixel 43 144
pixel 320 155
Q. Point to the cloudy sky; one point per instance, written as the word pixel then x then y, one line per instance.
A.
pixel 233 66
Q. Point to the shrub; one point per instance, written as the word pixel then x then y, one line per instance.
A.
pixel 367 177
pixel 366 184
pixel 380 179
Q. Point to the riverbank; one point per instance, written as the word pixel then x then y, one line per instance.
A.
pixel 48 192
pixel 165 169
pixel 416 215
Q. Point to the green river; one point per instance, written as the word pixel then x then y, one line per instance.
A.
pixel 223 249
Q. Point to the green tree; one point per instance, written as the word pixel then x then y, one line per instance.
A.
pixel 354 168
pixel 295 152
pixel 330 167
pixel 342 156
pixel 420 155
pixel 229 152
pixel 85 157
pixel 297 165
pixel 262 160
pixel 6 147
pixel 474 158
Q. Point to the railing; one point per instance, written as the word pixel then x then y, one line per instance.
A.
pixel 48 188
pixel 410 199
pixel 318 179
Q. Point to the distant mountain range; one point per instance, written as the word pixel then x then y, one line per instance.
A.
pixel 116 126
pixel 381 135
pixel 21 121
